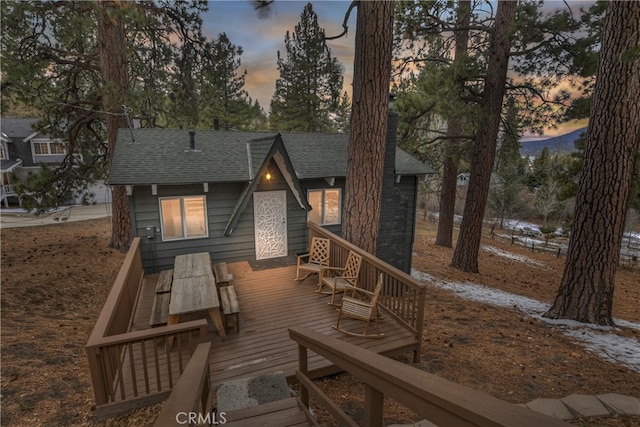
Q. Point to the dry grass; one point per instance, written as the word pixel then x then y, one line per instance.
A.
pixel 55 279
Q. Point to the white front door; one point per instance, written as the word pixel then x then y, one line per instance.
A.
pixel 270 220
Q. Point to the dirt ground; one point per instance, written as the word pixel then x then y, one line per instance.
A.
pixel 55 279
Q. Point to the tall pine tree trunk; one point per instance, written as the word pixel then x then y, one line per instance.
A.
pixel 371 76
pixel 465 255
pixel 113 67
pixel 586 289
pixel 454 130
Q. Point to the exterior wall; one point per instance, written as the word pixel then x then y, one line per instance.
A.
pixel 240 246
pixel 221 201
pixel 397 219
pixel 397 212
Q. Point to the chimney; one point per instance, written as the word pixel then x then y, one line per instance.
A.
pixel 395 240
pixel 192 140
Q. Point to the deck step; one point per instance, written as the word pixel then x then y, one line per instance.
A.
pixel 281 413
pixel 251 391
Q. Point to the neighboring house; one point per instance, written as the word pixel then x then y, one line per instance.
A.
pixel 24 150
pixel 463 179
pixel 249 195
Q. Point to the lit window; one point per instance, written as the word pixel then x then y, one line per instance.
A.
pixel 183 217
pixel 326 206
pixel 3 154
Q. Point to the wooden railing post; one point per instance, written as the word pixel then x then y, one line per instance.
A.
pixel 93 357
pixel 303 366
pixel 422 300
pixel 373 407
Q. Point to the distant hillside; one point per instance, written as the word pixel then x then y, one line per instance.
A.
pixel 562 144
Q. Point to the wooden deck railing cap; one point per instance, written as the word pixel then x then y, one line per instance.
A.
pixel 105 316
pixel 385 267
pixel 428 395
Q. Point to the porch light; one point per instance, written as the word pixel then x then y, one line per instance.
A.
pixel 268 176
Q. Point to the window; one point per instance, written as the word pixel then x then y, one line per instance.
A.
pixel 45 147
pixel 183 217
pixel 3 153
pixel 326 206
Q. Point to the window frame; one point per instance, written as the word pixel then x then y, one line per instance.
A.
pixel 323 205
pixel 48 144
pixel 184 217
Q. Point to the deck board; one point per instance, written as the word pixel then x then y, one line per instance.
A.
pixel 270 302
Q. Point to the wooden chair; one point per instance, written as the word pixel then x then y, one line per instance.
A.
pixel 312 262
pixel 337 279
pixel 361 309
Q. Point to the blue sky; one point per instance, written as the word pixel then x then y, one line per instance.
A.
pixel 262 38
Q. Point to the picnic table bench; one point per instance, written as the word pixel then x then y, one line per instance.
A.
pixel 230 306
pixel 222 274
pixel 160 309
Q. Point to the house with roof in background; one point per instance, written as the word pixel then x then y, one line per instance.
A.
pixel 23 150
pixel 248 195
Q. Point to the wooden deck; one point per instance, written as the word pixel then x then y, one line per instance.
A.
pixel 271 301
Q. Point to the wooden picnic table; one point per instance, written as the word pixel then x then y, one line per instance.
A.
pixel 194 289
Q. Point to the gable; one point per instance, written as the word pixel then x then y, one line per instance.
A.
pixel 263 151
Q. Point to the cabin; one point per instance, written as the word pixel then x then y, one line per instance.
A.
pixel 249 195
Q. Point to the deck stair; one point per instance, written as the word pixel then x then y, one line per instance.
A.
pixel 260 401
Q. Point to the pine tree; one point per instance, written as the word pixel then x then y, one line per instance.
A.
pixel 586 290
pixel 223 97
pixel 308 89
pixel 465 255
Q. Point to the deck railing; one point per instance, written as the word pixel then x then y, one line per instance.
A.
pixel 130 369
pixel 403 297
pixel 432 398
pixel 191 394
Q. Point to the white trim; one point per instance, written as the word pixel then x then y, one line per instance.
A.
pixel 129 189
pixel 398 178
pixel 27 139
pixel 249 161
pixel 205 187
pixel 279 159
pixel 331 181
pixel 154 189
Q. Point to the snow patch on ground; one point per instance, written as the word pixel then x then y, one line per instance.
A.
pixel 512 256
pixel 601 340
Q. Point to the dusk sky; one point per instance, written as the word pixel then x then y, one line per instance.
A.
pixel 261 38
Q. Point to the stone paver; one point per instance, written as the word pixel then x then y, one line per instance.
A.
pixel 620 404
pixel 551 407
pixel 575 405
pixel 251 391
pixel 584 405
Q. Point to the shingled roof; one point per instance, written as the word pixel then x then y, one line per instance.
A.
pixel 163 156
